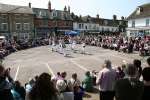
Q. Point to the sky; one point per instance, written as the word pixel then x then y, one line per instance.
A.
pixel 105 8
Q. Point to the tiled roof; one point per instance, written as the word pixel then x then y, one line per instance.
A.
pixel 100 21
pixel 145 12
pixel 46 14
pixel 41 13
pixel 6 8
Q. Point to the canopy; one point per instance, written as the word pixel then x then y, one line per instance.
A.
pixel 71 33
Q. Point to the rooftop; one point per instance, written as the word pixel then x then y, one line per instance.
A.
pixel 6 8
pixel 141 12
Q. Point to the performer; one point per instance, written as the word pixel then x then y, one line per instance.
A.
pixel 73 45
pixel 83 47
pixel 60 49
pixel 53 45
pixel 70 43
pixel 64 49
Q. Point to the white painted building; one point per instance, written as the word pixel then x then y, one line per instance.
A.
pixel 95 26
pixel 86 26
pixel 139 21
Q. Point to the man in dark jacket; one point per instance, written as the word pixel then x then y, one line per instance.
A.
pixel 129 88
pixel 5 84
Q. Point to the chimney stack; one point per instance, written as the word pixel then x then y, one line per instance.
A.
pixel 29 4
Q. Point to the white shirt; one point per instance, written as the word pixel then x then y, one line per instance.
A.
pixel 106 79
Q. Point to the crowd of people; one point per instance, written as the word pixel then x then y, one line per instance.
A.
pixel 9 46
pixel 118 43
pixel 126 82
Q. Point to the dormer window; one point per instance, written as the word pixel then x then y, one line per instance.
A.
pixel 133 23
pixel 42 14
pixel 139 10
pixel 55 14
pixel 105 22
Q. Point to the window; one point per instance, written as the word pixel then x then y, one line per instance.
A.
pixel 107 29
pixel 54 14
pixel 17 16
pixel 86 27
pixel 120 22
pixel 133 23
pixel 82 25
pixel 4 16
pixel 102 28
pixel 45 22
pixel 26 26
pixel 4 26
pixel 18 26
pixel 139 10
pixel 106 22
pixel 94 27
pixel 44 14
pixel 147 22
pixel 79 26
pixel 90 26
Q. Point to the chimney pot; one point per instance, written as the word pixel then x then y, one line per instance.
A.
pixel 29 4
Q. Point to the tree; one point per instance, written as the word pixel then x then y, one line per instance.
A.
pixel 80 16
pixel 72 15
pixel 114 17
pixel 97 16
pixel 115 22
pixel 122 18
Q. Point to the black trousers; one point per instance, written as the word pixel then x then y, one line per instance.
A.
pixel 107 95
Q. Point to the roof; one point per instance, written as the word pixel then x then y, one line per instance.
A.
pixel 6 8
pixel 62 15
pixel 100 21
pixel 46 14
pixel 41 13
pixel 145 12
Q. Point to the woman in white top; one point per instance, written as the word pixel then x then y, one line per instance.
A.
pixel 83 47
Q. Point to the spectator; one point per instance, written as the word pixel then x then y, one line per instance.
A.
pixel 146 79
pixel 120 73
pixel 73 82
pixel 64 93
pixel 55 78
pixel 129 88
pixel 78 93
pixel 29 85
pixel 106 79
pixel 36 78
pixel 5 85
pixel 74 85
pixel 88 82
pixel 18 91
pixel 94 75
pixel 43 89
pixel 148 61
pixel 137 64
pixel 63 76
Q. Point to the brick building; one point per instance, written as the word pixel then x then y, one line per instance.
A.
pixel 50 21
pixel 16 21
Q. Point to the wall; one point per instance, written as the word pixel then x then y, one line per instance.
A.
pixel 138 22
pixel 92 26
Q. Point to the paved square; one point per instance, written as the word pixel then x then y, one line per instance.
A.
pixel 26 64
